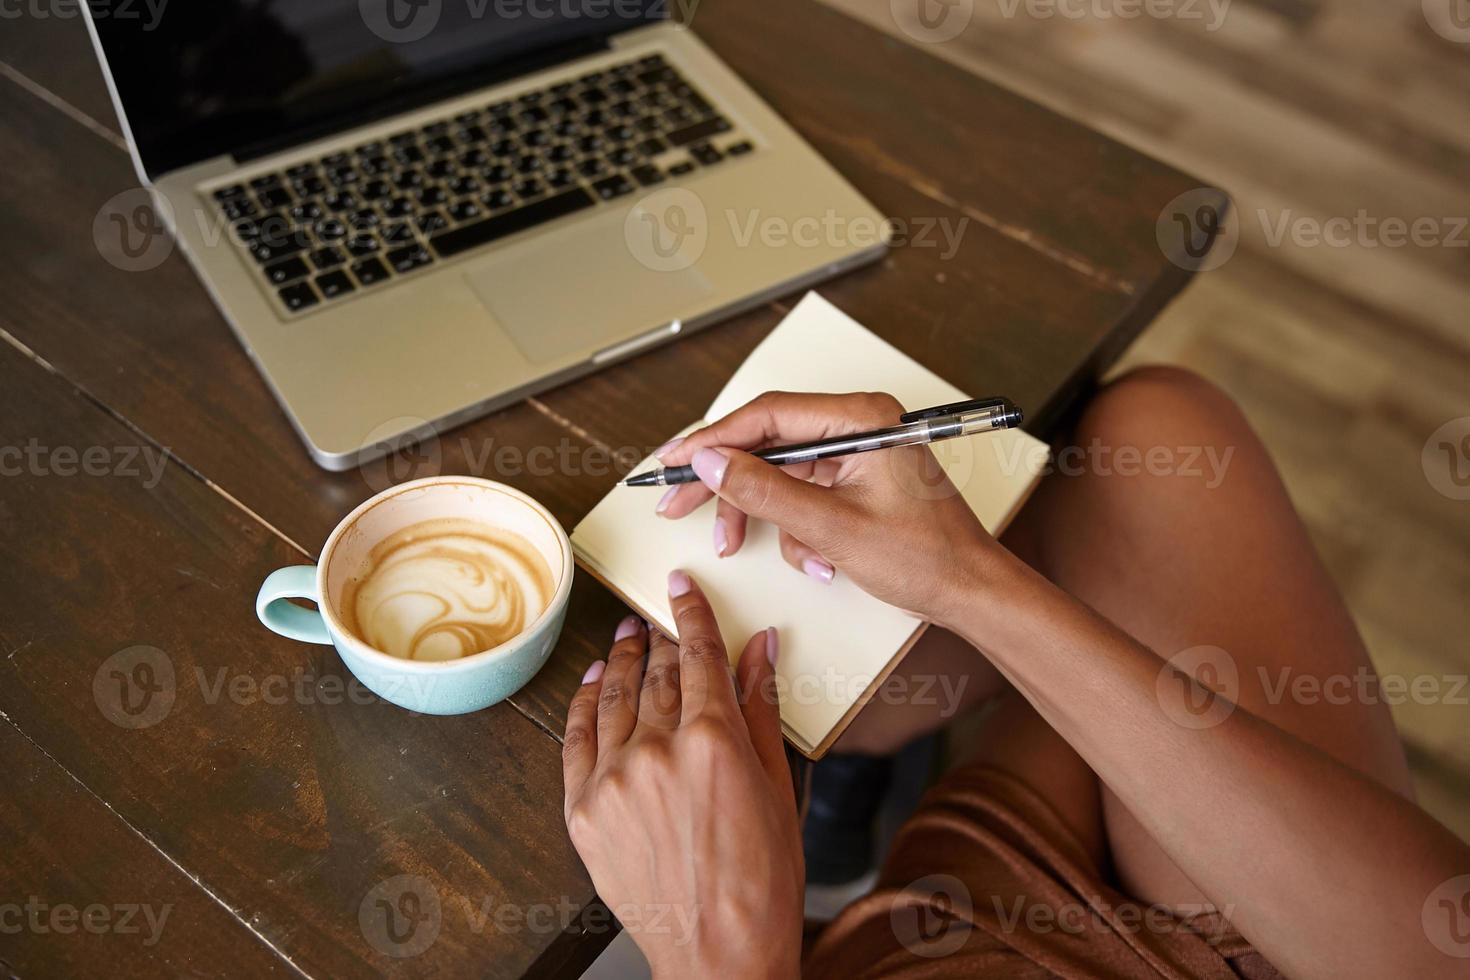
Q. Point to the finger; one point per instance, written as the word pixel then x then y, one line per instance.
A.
pixel 760 704
pixel 783 417
pixel 617 705
pixel 579 741
pixel 812 513
pixel 729 529
pixel 686 498
pixel 805 559
pixel 704 667
pixel 658 704
pixel 683 499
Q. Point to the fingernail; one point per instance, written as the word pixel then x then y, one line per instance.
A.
pixel 722 539
pixel 626 628
pixel 594 672
pixel 819 570
pixel 709 465
pixel 667 447
pixel 773 645
pixel 678 583
pixel 663 502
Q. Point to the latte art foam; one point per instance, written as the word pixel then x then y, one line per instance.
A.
pixel 445 589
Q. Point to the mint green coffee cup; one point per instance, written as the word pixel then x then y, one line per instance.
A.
pixel 434 687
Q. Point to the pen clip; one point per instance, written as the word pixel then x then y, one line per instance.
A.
pixel 954 408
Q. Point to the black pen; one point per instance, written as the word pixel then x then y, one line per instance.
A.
pixel 914 429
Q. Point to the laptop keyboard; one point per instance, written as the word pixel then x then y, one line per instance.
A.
pixel 323 230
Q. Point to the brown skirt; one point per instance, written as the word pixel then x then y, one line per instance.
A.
pixel 986 881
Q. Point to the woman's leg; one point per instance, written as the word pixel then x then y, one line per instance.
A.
pixel 1169 518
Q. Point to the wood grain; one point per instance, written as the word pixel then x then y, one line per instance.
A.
pixel 67 855
pixel 254 763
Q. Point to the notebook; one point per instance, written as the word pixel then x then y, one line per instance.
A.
pixel 837 643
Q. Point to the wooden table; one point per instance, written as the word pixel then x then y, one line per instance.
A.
pixel 248 796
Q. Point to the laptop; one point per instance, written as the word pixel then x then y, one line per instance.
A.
pixel 413 212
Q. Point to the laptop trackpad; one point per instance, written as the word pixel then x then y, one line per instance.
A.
pixel 581 291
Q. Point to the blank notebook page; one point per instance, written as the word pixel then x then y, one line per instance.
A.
pixel 835 639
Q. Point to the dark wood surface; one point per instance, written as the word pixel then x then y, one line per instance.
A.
pixel 267 826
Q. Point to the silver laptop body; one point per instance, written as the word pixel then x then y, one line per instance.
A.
pixel 476 311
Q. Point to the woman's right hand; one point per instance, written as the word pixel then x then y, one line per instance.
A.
pixel 890 520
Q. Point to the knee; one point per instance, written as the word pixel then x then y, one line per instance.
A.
pixel 1160 404
pixel 1165 422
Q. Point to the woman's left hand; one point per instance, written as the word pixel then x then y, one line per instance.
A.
pixel 679 798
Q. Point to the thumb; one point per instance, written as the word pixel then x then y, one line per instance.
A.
pixel 763 491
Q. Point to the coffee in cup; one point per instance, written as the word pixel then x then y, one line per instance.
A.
pixel 445 588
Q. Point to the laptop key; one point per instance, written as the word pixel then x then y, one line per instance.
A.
pixel 652 146
pixel 464 211
pixel 409 257
pixel 615 186
pixel 327 258
pixel 647 175
pixel 398 234
pixel 363 246
pixel 237 208
pixel 681 168
pixel 698 131
pixel 470 236
pixel 286 270
pixel 331 230
pixel 739 149
pixel 706 154
pixel 268 248
pixel 234 190
pixel 370 272
pixel 334 284
pixel 299 296
pixel 432 222
pixel 498 199
pixel 274 197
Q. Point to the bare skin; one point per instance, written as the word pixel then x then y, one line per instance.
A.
pixel 1291 813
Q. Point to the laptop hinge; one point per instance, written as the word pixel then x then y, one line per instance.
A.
pixel 448 88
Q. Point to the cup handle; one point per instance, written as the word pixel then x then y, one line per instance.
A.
pixel 287 618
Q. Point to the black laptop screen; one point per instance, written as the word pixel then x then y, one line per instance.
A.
pixel 198 78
